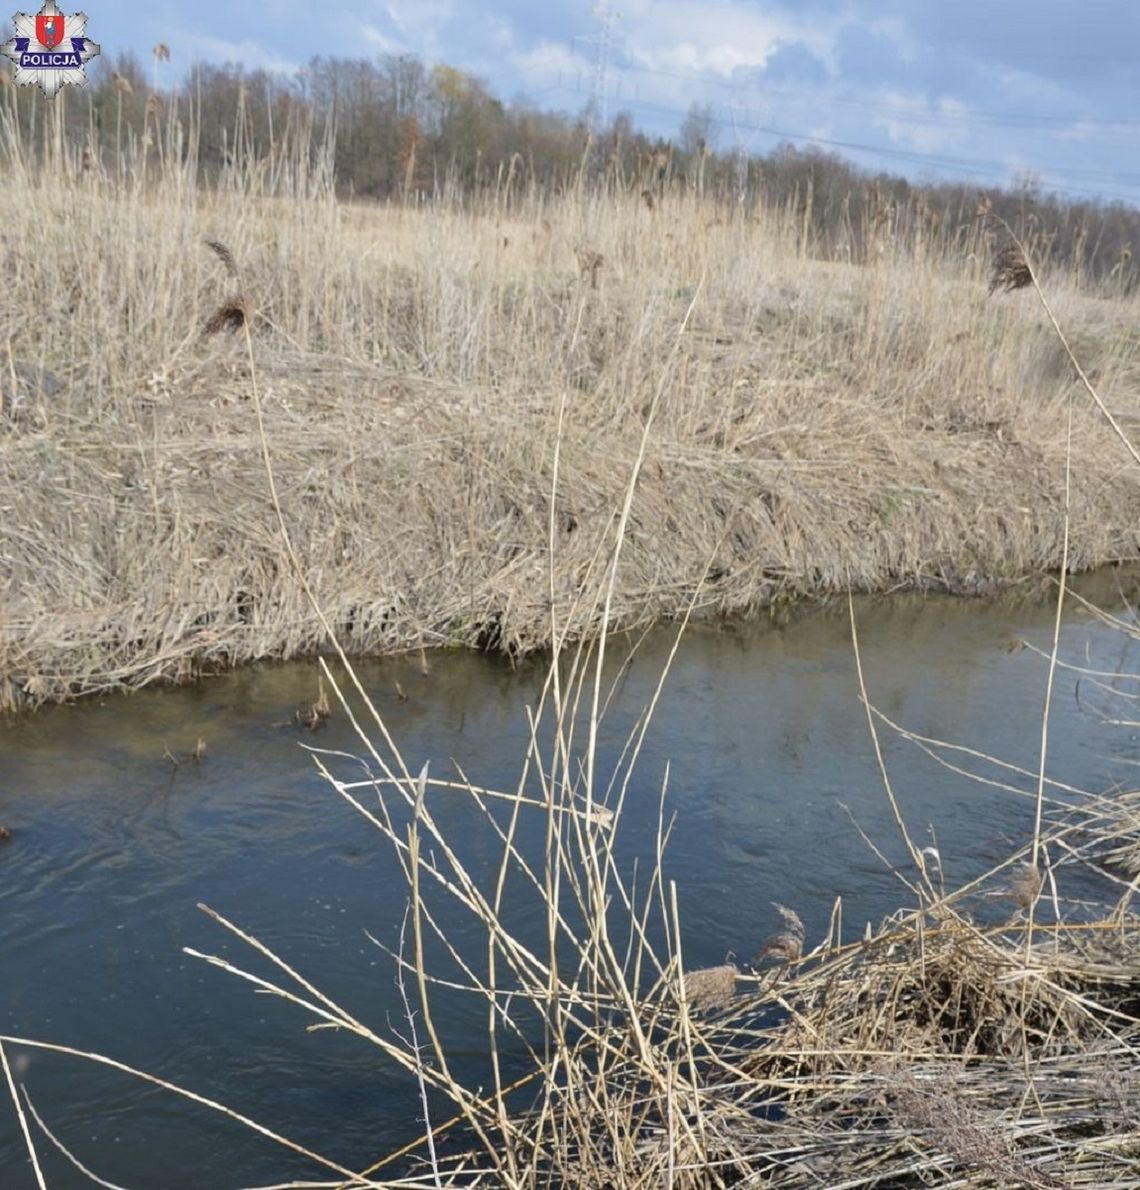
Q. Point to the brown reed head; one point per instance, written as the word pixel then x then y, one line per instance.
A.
pixel 229 316
pixel 1011 269
pixel 225 256
pixel 786 945
pixel 234 312
pixel 710 988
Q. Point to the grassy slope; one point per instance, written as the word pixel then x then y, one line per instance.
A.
pixel 816 419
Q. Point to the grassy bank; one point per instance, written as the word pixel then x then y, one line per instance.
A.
pixel 423 372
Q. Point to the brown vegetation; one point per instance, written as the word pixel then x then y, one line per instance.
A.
pixel 439 439
pixel 816 422
pixel 1011 270
pixel 419 133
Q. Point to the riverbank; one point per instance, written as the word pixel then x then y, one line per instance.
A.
pixel 454 402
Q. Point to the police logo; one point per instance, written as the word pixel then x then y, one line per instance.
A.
pixel 50 49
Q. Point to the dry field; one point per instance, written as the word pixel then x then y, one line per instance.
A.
pixel 453 401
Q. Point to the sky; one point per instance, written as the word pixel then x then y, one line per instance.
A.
pixel 991 92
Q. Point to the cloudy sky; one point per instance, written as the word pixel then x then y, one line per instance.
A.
pixel 981 90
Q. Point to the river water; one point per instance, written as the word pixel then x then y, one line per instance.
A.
pixel 113 845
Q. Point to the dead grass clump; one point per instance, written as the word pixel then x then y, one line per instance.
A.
pixel 953 991
pixel 937 1108
pixel 918 1051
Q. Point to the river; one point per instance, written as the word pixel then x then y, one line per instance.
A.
pixel 118 832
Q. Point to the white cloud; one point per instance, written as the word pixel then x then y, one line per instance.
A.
pixel 379 42
pixel 546 61
pixel 420 25
pixel 719 37
pixel 897 32
pixel 921 125
pixel 253 55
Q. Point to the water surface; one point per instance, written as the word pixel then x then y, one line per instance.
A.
pixel 765 740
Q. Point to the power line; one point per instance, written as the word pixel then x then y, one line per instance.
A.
pixel 939 118
pixel 1012 119
pixel 969 167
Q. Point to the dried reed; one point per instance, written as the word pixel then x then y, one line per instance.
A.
pixel 233 314
pixel 430 482
pixel 821 420
pixel 710 988
pixel 1011 270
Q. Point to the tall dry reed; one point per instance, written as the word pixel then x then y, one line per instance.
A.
pixel 818 420
pixel 824 1062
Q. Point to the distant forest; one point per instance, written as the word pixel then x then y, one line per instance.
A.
pixel 398 129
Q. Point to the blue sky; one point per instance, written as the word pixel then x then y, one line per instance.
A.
pixel 977 90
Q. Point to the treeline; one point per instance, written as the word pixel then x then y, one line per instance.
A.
pixel 397 128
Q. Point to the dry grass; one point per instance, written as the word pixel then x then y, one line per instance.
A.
pixel 474 446
pixel 816 420
pixel 710 987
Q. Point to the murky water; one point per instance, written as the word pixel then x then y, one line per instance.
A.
pixel 113 846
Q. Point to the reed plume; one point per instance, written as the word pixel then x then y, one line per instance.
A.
pixel 710 988
pixel 1011 269
pixel 233 313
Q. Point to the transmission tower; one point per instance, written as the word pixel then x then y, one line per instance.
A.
pixel 741 155
pixel 743 146
pixel 599 96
